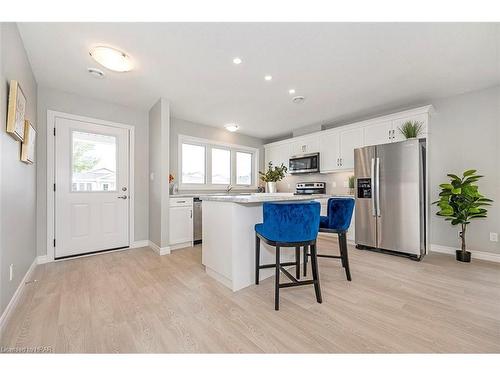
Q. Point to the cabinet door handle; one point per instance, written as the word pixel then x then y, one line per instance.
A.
pixel 390 134
pixel 191 214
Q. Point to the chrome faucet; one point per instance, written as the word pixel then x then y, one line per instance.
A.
pixel 229 188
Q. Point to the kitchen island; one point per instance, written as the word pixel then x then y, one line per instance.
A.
pixel 228 250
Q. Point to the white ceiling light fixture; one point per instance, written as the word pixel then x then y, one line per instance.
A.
pixel 112 58
pixel 291 91
pixel 237 61
pixel 96 73
pixel 268 77
pixel 231 127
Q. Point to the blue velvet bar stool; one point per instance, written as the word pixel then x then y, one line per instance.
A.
pixel 338 219
pixel 289 224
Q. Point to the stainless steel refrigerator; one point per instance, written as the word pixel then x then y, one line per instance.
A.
pixel 390 197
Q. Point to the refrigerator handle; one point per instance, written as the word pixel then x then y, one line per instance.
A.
pixel 377 184
pixel 374 211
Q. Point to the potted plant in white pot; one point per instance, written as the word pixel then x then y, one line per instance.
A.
pixel 460 202
pixel 411 129
pixel 272 176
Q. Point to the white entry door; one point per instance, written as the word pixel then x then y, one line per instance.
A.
pixel 91 187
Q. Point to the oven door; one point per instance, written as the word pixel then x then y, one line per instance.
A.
pixel 307 163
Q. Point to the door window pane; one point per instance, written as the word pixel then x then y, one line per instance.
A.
pixel 93 162
pixel 221 166
pixel 193 164
pixel 243 168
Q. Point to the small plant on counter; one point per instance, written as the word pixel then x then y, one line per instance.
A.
pixel 460 202
pixel 273 175
pixel 411 129
pixel 352 180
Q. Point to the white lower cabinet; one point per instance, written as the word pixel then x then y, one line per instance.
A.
pixel 181 222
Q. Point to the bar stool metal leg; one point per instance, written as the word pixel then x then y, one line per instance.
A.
pixel 314 269
pixel 257 259
pixel 277 281
pixel 305 260
pixel 343 254
pixel 297 262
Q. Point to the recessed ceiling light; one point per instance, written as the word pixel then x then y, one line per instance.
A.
pixel 237 60
pixel 268 78
pixel 231 127
pixel 291 91
pixel 96 73
pixel 111 58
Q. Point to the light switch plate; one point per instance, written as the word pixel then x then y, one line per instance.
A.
pixel 493 237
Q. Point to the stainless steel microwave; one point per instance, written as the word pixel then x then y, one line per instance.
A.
pixel 305 163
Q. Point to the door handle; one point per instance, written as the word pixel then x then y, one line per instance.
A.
pixel 374 211
pixel 122 197
pixel 191 216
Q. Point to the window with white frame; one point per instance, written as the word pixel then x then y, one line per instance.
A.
pixel 207 164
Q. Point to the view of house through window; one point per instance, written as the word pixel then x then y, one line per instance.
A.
pixel 93 162
pixel 243 168
pixel 221 166
pixel 215 164
pixel 193 168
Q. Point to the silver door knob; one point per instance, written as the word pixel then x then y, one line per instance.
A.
pixel 123 197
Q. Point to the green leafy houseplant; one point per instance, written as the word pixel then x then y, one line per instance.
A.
pixel 273 174
pixel 460 202
pixel 411 129
pixel 352 180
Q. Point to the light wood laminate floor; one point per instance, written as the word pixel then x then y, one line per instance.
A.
pixel 138 301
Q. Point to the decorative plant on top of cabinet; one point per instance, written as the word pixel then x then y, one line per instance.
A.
pixel 273 175
pixel 411 129
pixel 460 202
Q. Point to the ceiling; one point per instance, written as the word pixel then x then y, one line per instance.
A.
pixel 343 69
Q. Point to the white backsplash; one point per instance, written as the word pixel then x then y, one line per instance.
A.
pixel 336 183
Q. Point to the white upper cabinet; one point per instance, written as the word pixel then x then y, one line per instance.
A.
pixel 378 133
pixel 329 151
pixel 349 140
pixel 336 146
pixel 277 154
pixel 306 145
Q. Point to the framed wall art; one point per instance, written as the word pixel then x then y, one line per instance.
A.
pixel 16 111
pixel 28 145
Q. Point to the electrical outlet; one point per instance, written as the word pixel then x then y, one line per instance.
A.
pixel 493 237
pixel 152 176
pixel 11 272
pixel 334 184
pixel 346 183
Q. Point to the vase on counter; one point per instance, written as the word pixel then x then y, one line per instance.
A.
pixel 271 187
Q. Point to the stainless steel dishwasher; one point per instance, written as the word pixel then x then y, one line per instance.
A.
pixel 197 226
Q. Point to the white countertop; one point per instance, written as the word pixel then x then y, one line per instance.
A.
pixel 263 197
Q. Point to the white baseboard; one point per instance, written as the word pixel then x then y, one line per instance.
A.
pixel 483 255
pixel 42 259
pixel 16 296
pixel 159 250
pixel 182 245
pixel 136 244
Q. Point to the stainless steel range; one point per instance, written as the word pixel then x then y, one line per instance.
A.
pixel 310 188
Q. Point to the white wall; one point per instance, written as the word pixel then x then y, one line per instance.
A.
pixel 183 127
pixel 50 99
pixel 18 180
pixel 159 130
pixel 465 134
